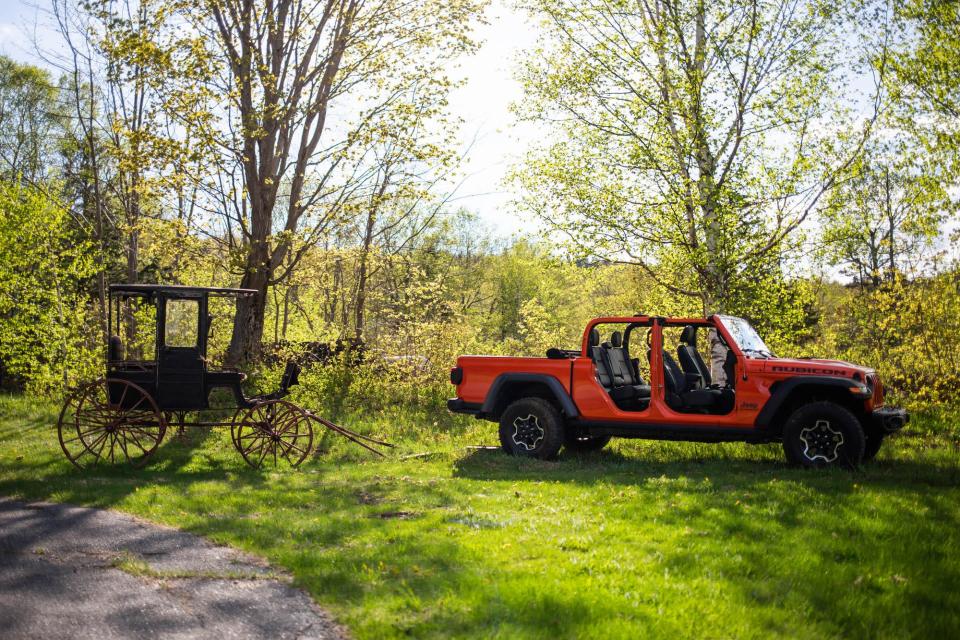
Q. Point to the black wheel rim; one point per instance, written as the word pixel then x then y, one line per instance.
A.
pixel 821 442
pixel 527 432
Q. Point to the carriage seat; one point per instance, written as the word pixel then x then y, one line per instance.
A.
pixel 115 349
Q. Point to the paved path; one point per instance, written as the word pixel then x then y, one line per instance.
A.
pixel 70 572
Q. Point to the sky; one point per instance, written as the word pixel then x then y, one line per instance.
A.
pixel 489 135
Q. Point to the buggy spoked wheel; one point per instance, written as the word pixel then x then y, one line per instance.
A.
pixel 100 427
pixel 275 432
pixel 234 423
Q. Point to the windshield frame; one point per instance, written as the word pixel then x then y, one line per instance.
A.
pixel 746 338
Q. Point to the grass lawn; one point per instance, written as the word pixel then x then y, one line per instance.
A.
pixel 643 539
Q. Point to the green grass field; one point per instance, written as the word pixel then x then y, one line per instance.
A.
pixel 643 539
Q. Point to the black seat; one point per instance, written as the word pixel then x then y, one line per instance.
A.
pixel 621 368
pixel 615 375
pixel 690 360
pixel 683 394
pixel 291 377
pixel 596 354
pixel 115 349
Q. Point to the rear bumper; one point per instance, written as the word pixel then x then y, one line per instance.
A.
pixel 456 405
pixel 889 419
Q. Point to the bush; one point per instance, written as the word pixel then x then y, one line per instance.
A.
pixel 49 333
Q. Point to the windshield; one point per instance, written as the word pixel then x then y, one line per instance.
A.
pixel 746 337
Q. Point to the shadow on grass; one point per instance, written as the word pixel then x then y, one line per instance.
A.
pixel 698 462
pixel 770 538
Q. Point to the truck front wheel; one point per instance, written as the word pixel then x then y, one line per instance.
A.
pixel 531 427
pixel 874 440
pixel 823 434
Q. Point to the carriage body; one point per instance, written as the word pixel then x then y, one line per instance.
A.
pixel 176 374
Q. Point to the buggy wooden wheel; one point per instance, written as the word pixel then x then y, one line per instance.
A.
pixel 110 421
pixel 234 423
pixel 274 432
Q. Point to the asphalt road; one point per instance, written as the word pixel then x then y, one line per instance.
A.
pixel 72 572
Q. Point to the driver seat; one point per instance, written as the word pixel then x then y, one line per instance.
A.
pixel 690 359
pixel 683 395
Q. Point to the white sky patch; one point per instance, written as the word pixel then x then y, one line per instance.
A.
pixel 495 140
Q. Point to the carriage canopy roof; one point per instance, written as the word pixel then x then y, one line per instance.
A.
pixel 151 290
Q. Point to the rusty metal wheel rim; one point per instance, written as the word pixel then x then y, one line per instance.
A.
pixel 92 430
pixel 235 426
pixel 275 431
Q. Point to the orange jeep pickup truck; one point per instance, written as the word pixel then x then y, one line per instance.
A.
pixel 825 412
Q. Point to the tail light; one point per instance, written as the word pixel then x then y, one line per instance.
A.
pixel 456 376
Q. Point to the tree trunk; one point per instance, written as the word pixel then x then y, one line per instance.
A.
pixel 133 256
pixel 248 325
pixel 890 219
pixel 718 350
pixel 359 308
pixel 286 310
pixel 362 273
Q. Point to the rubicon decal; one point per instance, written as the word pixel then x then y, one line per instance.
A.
pixel 810 370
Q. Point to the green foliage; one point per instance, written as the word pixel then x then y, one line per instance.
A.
pixel 28 118
pixel 48 330
pixel 673 202
pixel 889 215
pixel 908 330
pixel 925 78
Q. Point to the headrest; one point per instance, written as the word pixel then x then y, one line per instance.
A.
pixel 594 337
pixel 689 335
pixel 616 340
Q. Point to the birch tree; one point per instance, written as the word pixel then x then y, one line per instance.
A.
pixel 691 138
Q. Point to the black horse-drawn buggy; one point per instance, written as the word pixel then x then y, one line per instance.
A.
pixel 124 416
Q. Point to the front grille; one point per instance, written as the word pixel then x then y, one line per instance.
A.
pixel 877 386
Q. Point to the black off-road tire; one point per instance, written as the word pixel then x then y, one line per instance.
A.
pixel 872 447
pixel 823 434
pixel 581 443
pixel 532 428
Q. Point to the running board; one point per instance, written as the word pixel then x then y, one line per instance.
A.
pixel 661 431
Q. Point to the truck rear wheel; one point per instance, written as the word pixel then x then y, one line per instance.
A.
pixel 532 428
pixel 823 434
